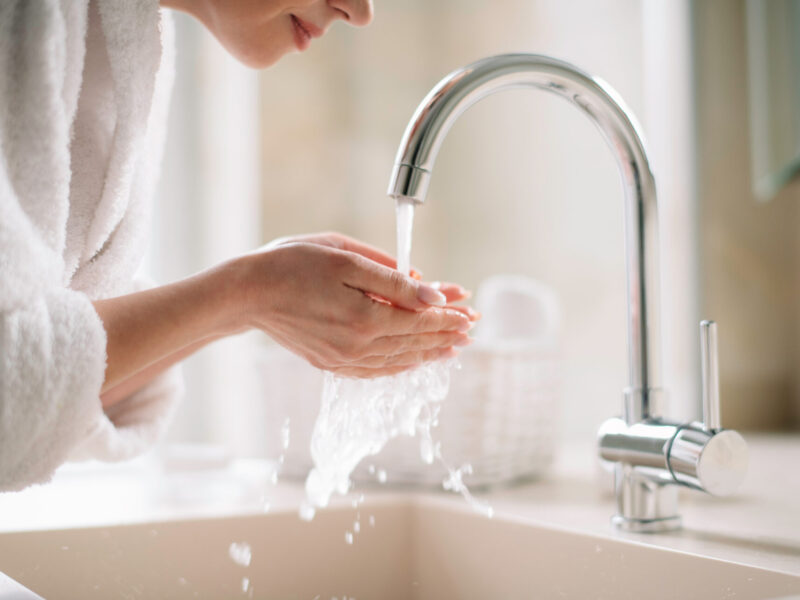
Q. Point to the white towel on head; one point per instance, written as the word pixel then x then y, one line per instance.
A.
pixel 76 177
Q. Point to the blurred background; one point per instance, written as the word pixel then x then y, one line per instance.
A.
pixel 523 184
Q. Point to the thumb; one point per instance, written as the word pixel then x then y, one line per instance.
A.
pixel 373 278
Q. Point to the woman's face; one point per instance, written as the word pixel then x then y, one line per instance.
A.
pixel 259 32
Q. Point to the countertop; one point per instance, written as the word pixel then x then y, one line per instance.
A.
pixel 759 527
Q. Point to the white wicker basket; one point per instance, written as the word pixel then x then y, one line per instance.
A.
pixel 500 415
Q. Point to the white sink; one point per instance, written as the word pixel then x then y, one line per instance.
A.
pixel 417 549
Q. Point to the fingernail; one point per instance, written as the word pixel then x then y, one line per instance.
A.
pixel 473 314
pixel 465 326
pixel 428 295
pixel 437 285
pixel 464 341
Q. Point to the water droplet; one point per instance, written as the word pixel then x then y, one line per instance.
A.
pixel 307 511
pixel 285 434
pixel 348 537
pixel 372 520
pixel 356 526
pixel 240 553
pixel 382 476
pixel 65 547
pixel 245 584
pixel 426 450
pixel 182 581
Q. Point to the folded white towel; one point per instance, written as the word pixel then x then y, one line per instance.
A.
pixel 76 177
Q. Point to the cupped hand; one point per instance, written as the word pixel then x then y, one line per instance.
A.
pixel 342 305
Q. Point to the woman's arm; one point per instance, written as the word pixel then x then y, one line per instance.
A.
pixel 326 298
pixel 137 381
pixel 148 331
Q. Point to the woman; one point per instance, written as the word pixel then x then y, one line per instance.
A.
pixel 85 349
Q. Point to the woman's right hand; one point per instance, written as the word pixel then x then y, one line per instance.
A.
pixel 327 299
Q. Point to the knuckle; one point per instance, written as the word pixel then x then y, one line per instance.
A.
pixel 342 261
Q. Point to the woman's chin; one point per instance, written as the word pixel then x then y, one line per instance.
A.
pixel 258 58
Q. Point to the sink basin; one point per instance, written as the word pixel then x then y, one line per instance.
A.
pixel 417 548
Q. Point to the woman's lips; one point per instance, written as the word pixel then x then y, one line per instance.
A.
pixel 304 32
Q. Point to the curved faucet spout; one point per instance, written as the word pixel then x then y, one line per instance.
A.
pixel 463 88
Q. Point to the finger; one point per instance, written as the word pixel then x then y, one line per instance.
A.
pixel 393 321
pixel 397 344
pixel 452 291
pixel 377 279
pixel 471 314
pixel 407 359
pixel 371 252
pixel 366 250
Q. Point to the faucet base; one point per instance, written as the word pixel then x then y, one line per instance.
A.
pixel 645 504
pixel 646 525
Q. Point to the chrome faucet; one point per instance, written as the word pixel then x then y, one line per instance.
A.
pixel 651 456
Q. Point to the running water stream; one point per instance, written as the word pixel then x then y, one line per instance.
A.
pixel 359 416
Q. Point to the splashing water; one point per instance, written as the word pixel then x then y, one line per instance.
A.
pixel 359 416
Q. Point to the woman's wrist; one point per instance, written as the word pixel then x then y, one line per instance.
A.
pixel 230 289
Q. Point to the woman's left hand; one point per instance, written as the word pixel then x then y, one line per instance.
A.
pixel 452 291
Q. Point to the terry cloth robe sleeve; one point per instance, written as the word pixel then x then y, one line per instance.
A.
pixel 52 342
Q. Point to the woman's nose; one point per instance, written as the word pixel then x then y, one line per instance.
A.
pixel 355 12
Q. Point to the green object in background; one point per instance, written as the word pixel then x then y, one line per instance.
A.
pixel 773 48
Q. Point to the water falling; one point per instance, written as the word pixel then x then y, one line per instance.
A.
pixel 359 416
pixel 405 225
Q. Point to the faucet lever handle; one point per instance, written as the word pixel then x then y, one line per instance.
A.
pixel 709 359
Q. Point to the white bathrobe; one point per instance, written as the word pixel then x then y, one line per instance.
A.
pixel 83 102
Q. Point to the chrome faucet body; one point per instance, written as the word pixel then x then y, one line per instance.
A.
pixel 650 454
